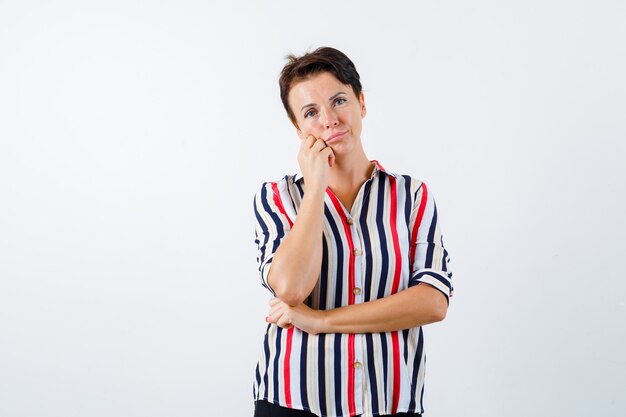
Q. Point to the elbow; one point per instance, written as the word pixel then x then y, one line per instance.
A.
pixel 439 314
pixel 439 309
pixel 286 291
pixel 292 297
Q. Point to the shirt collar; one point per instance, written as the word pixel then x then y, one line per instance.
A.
pixel 377 168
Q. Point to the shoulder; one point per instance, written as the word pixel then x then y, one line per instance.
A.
pixel 409 183
pixel 288 180
pixel 280 188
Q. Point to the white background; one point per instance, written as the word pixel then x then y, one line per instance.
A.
pixel 133 136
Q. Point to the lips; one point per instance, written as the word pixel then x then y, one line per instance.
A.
pixel 336 136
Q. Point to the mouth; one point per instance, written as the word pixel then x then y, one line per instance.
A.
pixel 336 136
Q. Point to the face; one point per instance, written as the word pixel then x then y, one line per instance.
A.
pixel 328 110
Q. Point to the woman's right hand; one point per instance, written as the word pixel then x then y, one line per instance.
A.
pixel 315 159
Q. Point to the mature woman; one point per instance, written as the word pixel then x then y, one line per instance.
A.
pixel 353 255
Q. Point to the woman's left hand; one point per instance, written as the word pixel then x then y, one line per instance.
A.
pixel 300 316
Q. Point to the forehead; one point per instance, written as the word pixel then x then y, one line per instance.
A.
pixel 319 87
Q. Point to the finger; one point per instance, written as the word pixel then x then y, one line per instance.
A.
pixel 273 317
pixel 285 326
pixel 309 141
pixel 274 310
pixel 274 301
pixel 319 145
pixel 284 321
pixel 277 310
pixel 328 152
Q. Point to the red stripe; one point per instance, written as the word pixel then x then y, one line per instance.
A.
pixel 418 222
pixel 394 234
pixel 379 165
pixel 351 376
pixel 286 364
pixel 396 284
pixel 351 355
pixel 286 370
pixel 279 202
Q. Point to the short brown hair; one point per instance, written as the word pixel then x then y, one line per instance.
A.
pixel 324 59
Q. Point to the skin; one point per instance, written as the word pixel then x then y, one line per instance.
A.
pixel 323 107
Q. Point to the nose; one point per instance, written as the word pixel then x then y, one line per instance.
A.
pixel 328 118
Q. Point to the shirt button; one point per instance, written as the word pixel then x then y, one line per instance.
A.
pixel 357 365
pixel 357 252
pixel 356 291
pixel 350 221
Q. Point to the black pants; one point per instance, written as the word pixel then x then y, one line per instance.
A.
pixel 267 409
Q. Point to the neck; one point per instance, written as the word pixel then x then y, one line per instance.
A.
pixel 349 171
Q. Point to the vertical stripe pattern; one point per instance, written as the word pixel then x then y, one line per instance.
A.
pixel 388 241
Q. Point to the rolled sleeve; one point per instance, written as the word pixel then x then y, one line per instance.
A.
pixel 430 259
pixel 272 225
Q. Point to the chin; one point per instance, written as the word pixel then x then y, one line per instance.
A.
pixel 340 149
pixel 343 146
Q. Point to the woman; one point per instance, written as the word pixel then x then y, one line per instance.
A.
pixel 353 255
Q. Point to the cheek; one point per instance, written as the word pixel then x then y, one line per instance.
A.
pixel 310 128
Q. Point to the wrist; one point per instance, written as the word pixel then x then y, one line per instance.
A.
pixel 323 325
pixel 314 194
pixel 315 187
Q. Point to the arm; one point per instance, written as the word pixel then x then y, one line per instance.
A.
pixel 296 264
pixel 413 307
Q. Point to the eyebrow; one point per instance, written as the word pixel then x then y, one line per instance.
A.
pixel 330 99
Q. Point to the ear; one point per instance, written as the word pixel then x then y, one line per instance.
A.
pixel 362 100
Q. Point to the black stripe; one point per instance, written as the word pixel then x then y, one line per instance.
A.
pixel 431 239
pixel 276 359
pixel 408 204
pixel 257 379
pixel 266 352
pixel 367 246
pixel 264 228
pixel 303 371
pixel 417 191
pixel 324 278
pixel 416 364
pixel 338 279
pixel 444 261
pixel 422 394
pixel 371 370
pixel 380 227
pixel 408 209
pixel 280 231
pixel 321 375
pixel 383 348
pixel 300 190
pixel 337 368
pixel 405 336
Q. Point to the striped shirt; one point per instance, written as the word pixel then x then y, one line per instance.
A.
pixel 389 241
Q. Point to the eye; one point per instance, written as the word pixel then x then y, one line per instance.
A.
pixel 340 100
pixel 309 113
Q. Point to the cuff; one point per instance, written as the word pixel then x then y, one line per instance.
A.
pixel 438 279
pixel 264 271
